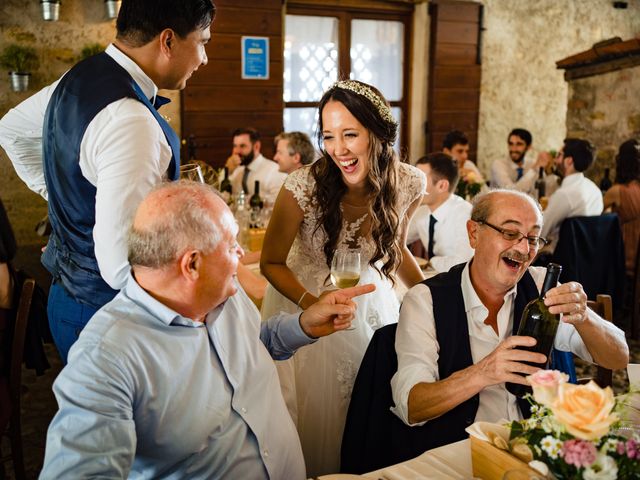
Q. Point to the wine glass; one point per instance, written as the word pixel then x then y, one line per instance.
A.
pixel 192 172
pixel 345 270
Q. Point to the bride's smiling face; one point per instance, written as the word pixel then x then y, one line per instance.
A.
pixel 347 142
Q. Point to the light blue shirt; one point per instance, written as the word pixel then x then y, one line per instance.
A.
pixel 148 393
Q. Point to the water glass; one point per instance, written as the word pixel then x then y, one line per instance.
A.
pixel 191 172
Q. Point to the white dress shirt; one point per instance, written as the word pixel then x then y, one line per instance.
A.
pixel 451 242
pixel 266 172
pixel 504 173
pixel 123 153
pixel 577 196
pixel 420 216
pixel 417 345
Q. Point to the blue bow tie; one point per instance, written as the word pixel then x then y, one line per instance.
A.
pixel 160 101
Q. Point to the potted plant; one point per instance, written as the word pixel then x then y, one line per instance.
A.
pixel 50 10
pixel 91 49
pixel 20 61
pixel 112 7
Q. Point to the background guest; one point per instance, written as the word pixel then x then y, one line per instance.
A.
pixel 442 228
pixel 520 169
pixel 624 199
pixel 246 165
pixel 577 195
pixel 293 150
pixel 456 145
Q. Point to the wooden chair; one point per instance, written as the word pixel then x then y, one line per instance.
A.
pixel 635 299
pixel 15 378
pixel 603 307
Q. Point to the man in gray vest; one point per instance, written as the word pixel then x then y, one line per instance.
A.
pixel 456 341
pixel 104 147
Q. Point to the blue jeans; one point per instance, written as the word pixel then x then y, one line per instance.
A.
pixel 67 318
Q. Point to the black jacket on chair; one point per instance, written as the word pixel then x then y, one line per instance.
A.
pixel 591 252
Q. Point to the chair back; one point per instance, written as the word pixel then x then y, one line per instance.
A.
pixel 591 251
pixel 15 376
pixel 635 299
pixel 603 307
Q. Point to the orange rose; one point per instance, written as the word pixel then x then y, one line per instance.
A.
pixel 584 410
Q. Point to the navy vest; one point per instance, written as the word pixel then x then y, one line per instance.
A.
pixel 452 331
pixel 81 94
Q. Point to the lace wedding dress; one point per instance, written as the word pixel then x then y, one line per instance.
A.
pixel 317 381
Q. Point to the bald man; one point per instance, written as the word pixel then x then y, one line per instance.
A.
pixel 187 388
pixel 456 340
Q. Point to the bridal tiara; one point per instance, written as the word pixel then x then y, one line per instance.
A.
pixel 365 91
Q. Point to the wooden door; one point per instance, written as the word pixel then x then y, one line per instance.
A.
pixel 454 72
pixel 217 100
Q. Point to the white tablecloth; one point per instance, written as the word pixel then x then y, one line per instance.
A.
pixel 450 462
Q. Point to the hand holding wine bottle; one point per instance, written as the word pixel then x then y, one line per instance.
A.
pixel 511 361
pixel 539 323
pixel 570 300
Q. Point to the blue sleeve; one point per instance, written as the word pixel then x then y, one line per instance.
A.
pixel 93 434
pixel 283 335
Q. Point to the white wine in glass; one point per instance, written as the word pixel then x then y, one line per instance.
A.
pixel 345 268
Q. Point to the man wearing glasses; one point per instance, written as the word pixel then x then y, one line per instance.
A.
pixel 455 340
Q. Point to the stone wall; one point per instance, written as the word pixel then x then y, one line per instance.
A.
pixel 605 109
pixel 521 86
pixel 58 44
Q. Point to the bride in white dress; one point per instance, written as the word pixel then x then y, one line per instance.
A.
pixel 358 195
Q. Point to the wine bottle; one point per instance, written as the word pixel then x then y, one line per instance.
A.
pixel 255 201
pixel 225 187
pixel 539 323
pixel 605 183
pixel 540 184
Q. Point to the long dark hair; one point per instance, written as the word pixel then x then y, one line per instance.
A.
pixel 628 162
pixel 382 179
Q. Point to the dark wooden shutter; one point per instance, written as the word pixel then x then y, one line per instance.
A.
pixel 217 100
pixel 454 72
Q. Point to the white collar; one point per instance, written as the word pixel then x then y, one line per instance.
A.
pixel 142 79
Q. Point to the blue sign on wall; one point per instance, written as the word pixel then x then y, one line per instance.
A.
pixel 255 58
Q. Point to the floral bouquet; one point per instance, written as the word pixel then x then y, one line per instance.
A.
pixel 469 184
pixel 574 431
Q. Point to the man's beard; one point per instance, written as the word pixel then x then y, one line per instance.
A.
pixel 247 159
pixel 520 157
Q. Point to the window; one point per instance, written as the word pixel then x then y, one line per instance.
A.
pixel 319 45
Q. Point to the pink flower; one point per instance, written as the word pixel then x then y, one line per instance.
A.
pixel 620 448
pixel 632 449
pixel 545 385
pixel 579 453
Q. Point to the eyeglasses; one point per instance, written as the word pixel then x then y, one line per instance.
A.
pixel 515 236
